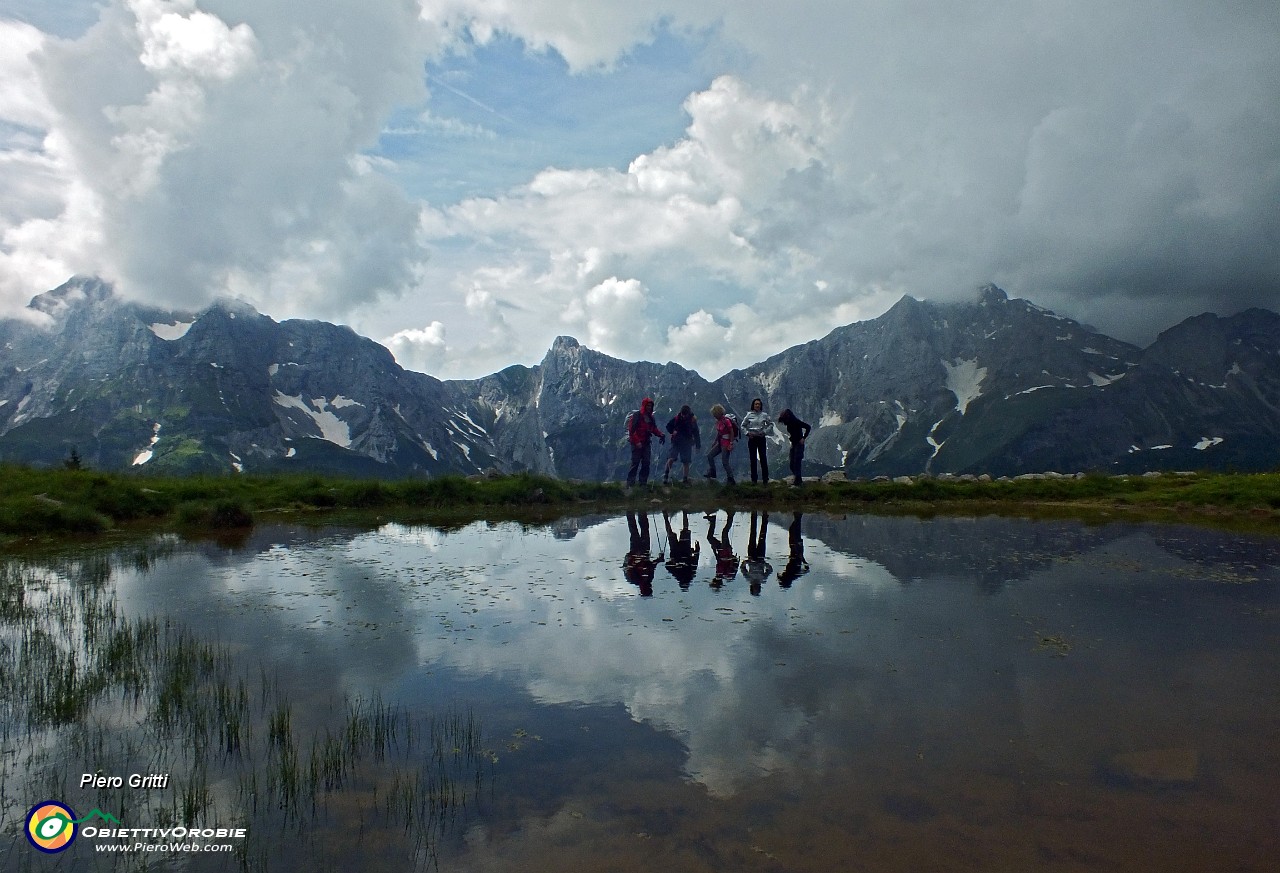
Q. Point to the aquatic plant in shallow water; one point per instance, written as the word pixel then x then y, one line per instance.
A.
pixel 84 689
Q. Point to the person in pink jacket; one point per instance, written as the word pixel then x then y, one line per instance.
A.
pixel 726 435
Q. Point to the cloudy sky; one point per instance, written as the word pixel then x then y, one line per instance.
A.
pixel 705 181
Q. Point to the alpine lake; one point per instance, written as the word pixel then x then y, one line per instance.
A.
pixel 747 691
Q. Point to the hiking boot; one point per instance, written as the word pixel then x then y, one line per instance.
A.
pixel 710 474
pixel 732 481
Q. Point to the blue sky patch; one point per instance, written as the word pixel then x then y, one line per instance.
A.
pixel 500 113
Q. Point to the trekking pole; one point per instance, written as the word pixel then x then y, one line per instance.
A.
pixel 662 537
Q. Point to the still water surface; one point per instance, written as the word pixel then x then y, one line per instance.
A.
pixel 765 692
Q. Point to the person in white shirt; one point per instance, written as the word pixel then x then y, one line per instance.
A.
pixel 757 425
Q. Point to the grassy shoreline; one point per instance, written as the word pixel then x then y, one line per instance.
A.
pixel 41 504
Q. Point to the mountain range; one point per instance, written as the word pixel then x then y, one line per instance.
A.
pixel 988 385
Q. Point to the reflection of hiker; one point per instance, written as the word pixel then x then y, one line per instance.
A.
pixel 726 560
pixel 638 566
pixel 757 425
pixel 683 563
pixel 685 437
pixel 799 432
pixel 726 434
pixel 641 428
pixel 797 566
pixel 754 566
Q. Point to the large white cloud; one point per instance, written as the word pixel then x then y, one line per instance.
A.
pixel 619 256
pixel 1114 161
pixel 1119 162
pixel 221 146
pixel 1086 155
pixel 36 186
pixel 21 98
pixel 588 34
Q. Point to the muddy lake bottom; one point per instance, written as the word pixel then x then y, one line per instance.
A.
pixel 735 692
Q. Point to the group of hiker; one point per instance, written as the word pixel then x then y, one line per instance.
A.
pixel 639 564
pixel 756 426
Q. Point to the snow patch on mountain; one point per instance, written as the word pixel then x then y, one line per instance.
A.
pixel 332 428
pixel 475 428
pixel 171 332
pixel 149 452
pixel 964 380
pixel 769 381
pixel 937 446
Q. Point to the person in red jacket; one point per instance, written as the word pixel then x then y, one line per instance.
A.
pixel 641 429
pixel 726 434
pixel 726 560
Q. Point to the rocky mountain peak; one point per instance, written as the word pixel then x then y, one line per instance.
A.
pixel 980 384
pixel 234 307
pixel 990 294
pixel 75 292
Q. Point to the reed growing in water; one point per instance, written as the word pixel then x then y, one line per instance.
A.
pixel 84 689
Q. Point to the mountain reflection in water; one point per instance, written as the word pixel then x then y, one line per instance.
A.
pixel 767 691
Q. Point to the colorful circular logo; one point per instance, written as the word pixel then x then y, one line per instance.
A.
pixel 51 826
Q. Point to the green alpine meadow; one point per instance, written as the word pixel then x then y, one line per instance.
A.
pixel 58 502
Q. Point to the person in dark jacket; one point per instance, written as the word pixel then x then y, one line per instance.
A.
pixel 685 437
pixel 683 563
pixel 797 566
pixel 640 431
pixel 799 432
